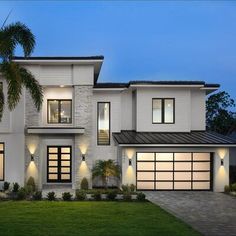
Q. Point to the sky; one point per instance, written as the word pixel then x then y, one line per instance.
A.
pixel 140 40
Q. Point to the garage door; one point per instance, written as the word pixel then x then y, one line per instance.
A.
pixel 174 171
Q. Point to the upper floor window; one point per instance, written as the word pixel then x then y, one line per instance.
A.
pixel 1 161
pixel 103 125
pixel 163 110
pixel 59 111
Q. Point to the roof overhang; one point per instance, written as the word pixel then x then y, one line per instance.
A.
pixel 55 130
pixel 177 145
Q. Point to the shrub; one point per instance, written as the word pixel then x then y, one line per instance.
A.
pixel 15 188
pixel 51 196
pixel 141 197
pixel 31 184
pixel 125 188
pixel 97 196
pixel 21 194
pixel 6 186
pixel 111 195
pixel 132 188
pixel 80 195
pixel 84 184
pixel 67 196
pixel 127 197
pixel 37 195
pixel 234 187
pixel 227 189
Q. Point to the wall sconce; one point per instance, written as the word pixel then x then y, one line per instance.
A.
pixel 32 157
pixel 221 162
pixel 83 157
pixel 130 162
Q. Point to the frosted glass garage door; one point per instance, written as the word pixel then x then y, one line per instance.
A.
pixel 174 171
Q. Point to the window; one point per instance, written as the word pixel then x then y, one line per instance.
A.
pixel 1 161
pixel 60 111
pixel 163 110
pixel 103 125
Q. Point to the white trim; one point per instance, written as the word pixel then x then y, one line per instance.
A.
pixel 109 89
pixel 166 85
pixel 55 130
pixel 177 145
pixel 58 61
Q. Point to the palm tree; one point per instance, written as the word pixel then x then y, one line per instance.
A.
pixel 16 76
pixel 106 169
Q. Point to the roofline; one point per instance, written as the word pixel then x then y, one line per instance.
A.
pixel 177 145
pixel 58 58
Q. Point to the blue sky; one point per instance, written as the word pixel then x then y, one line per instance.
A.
pixel 144 40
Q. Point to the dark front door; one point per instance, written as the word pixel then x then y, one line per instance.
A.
pixel 59 164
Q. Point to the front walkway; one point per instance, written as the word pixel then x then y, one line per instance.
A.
pixel 207 212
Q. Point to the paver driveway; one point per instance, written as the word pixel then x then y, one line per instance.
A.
pixel 209 213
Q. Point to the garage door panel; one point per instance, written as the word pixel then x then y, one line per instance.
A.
pixel 182 176
pixel 183 166
pixel 164 176
pixel 145 175
pixel 164 185
pixel 182 185
pixel 201 176
pixel 201 157
pixel 183 156
pixel 164 166
pixel 201 165
pixel 201 185
pixel 148 156
pixel 146 166
pixel 164 156
pixel 145 185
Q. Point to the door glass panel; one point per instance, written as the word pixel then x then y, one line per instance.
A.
pixel 164 175
pixel 201 185
pixel 183 156
pixel 182 185
pixel 65 176
pixel 1 147
pixel 53 163
pixel 201 156
pixel 201 166
pixel 182 175
pixel 145 175
pixel 164 156
pixel 183 166
pixel 201 175
pixel 145 185
pixel 65 163
pixel 53 176
pixel 53 150
pixel 145 165
pixel 145 156
pixel 65 170
pixel 52 156
pixel 65 150
pixel 164 185
pixel 164 166
pixel 65 156
pixel 53 170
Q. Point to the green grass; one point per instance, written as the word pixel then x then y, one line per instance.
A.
pixel 88 218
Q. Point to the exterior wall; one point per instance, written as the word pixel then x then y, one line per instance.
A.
pixel 232 156
pixel 220 173
pixel 127 110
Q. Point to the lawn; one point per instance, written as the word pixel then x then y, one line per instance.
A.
pixel 88 218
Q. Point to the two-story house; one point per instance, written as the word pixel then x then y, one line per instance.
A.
pixel 155 130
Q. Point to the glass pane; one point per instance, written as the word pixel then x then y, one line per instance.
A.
pixel 145 156
pixel 164 166
pixel 65 176
pixel 53 150
pixel 103 123
pixel 182 175
pixel 145 165
pixel 1 147
pixel 156 111
pixel 169 110
pixel 201 166
pixel 53 111
pixel 164 175
pixel 201 185
pixel 183 166
pixel 182 185
pixel 201 175
pixel 65 163
pixel 65 170
pixel 52 163
pixel 183 156
pixel 52 170
pixel 145 175
pixel 1 166
pixel 52 176
pixel 65 150
pixel 145 185
pixel 66 112
pixel 201 156
pixel 65 156
pixel 52 156
pixel 164 185
pixel 164 156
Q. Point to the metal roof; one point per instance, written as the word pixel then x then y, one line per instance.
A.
pixel 194 138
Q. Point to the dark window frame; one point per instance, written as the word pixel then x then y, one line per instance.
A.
pixel 59 110
pixel 163 110
pixel 59 180
pixel 173 171
pixel 3 152
pixel 109 143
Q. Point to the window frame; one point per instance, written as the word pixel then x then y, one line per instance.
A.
pixel 59 110
pixel 3 152
pixel 163 110
pixel 109 143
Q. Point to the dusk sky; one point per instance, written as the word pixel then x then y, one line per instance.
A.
pixel 140 40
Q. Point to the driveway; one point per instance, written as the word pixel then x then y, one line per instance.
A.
pixel 207 212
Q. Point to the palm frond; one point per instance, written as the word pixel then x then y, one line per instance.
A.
pixel 2 101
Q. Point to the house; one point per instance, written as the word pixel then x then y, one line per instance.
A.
pixel 155 130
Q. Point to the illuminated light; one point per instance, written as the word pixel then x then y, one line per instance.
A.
pixel 62 86
pixel 130 175
pixel 83 148
pixel 32 170
pixel 222 153
pixel 130 152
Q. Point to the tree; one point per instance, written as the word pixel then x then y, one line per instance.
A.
pixel 219 118
pixel 16 76
pixel 106 169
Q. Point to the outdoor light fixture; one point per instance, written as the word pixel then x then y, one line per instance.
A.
pixel 130 162
pixel 32 157
pixel 83 157
pixel 221 162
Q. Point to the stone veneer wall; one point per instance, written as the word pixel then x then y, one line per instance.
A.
pixel 83 118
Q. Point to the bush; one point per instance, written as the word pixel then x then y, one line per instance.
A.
pixel 141 197
pixel 111 195
pixel 80 195
pixel 21 194
pixel 127 197
pixel 15 188
pixel 227 189
pixel 6 186
pixel 31 184
pixel 37 195
pixel 51 196
pixel 132 188
pixel 67 196
pixel 125 188
pixel 84 184
pixel 97 196
pixel 233 187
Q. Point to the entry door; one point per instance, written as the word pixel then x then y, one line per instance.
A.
pixel 174 171
pixel 59 164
